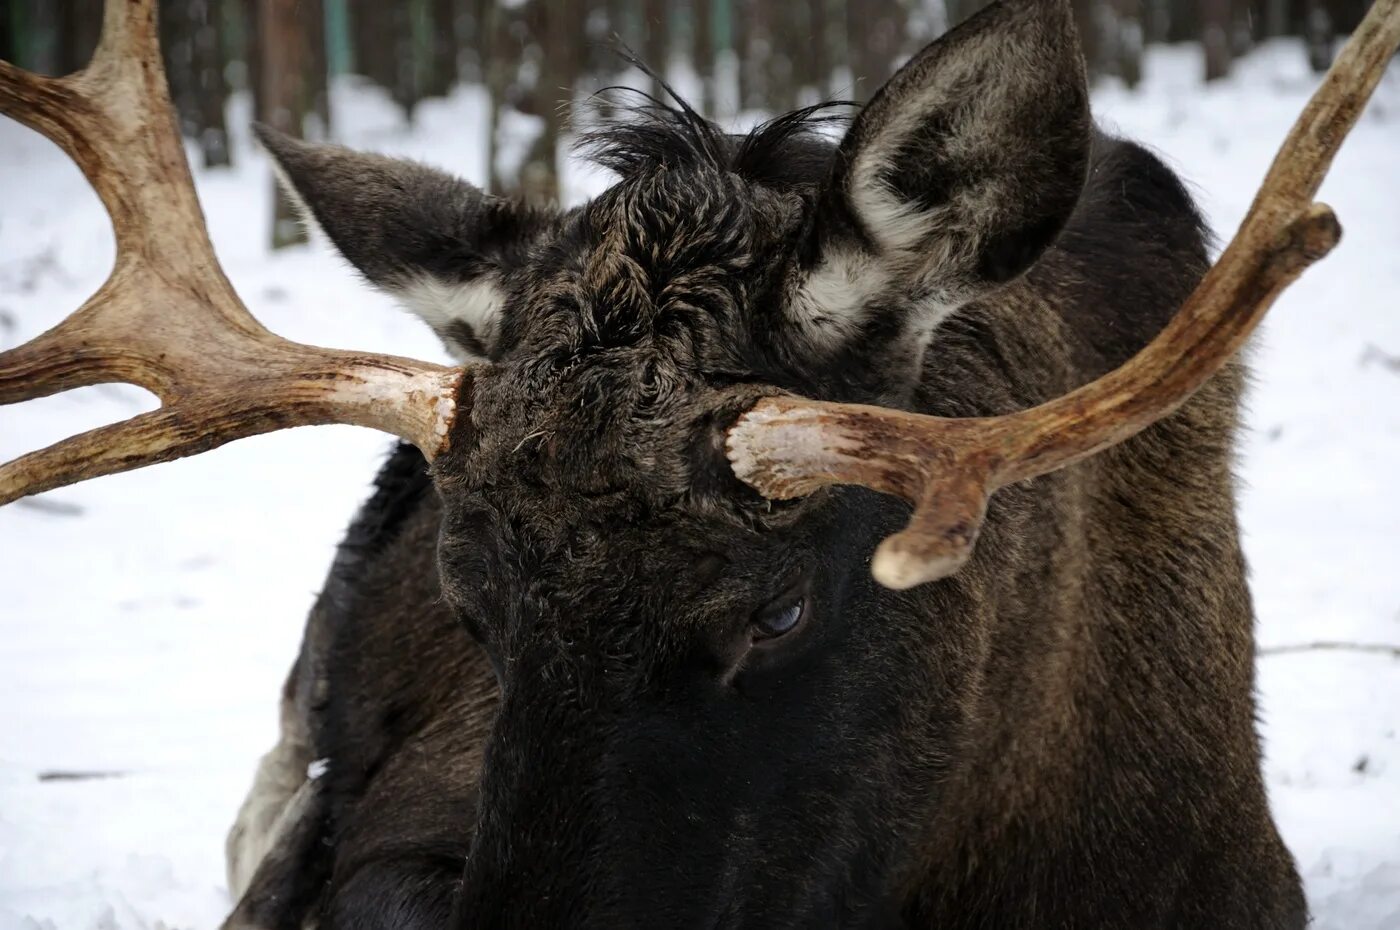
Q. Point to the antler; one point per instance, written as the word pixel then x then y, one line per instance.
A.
pixel 167 318
pixel 947 468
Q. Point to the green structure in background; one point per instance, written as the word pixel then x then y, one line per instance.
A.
pixel 340 54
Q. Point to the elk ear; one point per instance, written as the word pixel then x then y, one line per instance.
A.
pixel 438 244
pixel 956 175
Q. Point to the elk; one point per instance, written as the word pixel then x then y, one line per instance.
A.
pixel 608 646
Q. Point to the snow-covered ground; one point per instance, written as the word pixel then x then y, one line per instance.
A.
pixel 146 619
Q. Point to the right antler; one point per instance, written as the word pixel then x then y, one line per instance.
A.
pixel 947 468
pixel 167 319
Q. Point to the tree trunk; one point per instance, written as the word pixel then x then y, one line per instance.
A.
pixel 739 42
pixel 1088 15
pixel 284 65
pixel 1130 32
pixel 1185 23
pixel 9 48
pixel 442 72
pixel 253 52
pixel 702 53
pixel 1216 21
pixel 318 65
pixel 556 26
pixel 755 55
pixel 497 81
pixel 1157 21
pixel 38 36
pixel 374 39
pixel 1319 35
pixel 80 25
pixel 177 29
pixel 656 51
pixel 783 31
pixel 210 87
pixel 818 59
pixel 403 58
pixel 875 33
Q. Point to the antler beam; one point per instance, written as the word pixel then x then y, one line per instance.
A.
pixel 947 468
pixel 167 318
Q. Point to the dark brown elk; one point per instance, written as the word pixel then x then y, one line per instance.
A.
pixel 608 646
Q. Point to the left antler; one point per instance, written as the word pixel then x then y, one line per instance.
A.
pixel 947 468
pixel 167 318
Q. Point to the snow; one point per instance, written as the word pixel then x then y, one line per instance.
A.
pixel 147 619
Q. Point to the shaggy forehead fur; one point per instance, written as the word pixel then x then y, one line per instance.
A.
pixel 668 262
pixel 634 311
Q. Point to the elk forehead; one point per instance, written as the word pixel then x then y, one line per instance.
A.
pixel 662 265
pixel 618 331
pixel 601 440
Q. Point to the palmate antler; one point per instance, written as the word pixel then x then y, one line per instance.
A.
pixel 167 318
pixel 947 468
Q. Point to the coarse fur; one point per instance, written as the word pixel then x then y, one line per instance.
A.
pixel 534 673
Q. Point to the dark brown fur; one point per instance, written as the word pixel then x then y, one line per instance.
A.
pixel 1061 735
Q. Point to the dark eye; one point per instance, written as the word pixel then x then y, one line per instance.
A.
pixel 779 620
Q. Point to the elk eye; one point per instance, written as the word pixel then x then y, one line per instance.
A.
pixel 780 620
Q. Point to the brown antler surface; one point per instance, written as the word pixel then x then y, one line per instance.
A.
pixel 167 318
pixel 947 468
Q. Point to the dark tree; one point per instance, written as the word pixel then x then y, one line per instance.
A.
pixel 9 48
pixel 1088 16
pixel 702 52
pixel 382 40
pixel 445 42
pixel 210 87
pixel 1276 19
pixel 1216 23
pixel 656 48
pixel 285 63
pixel 783 29
pixel 874 32
pixel 80 26
pixel 500 70
pixel 318 74
pixel 1319 34
pixel 1121 37
pixel 38 35
pixel 554 27
pixel 177 34
pixel 253 50
pixel 815 65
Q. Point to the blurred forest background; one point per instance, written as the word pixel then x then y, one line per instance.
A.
pixel 539 60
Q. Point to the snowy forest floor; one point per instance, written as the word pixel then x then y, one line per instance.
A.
pixel 147 619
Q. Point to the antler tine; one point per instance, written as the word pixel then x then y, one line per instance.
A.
pixel 167 318
pixel 114 119
pixel 947 468
pixel 367 394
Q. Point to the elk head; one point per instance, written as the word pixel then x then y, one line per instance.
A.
pixel 683 737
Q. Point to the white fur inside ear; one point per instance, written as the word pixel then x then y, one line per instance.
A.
pixel 830 303
pixel 898 226
pixel 440 304
pixel 308 219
